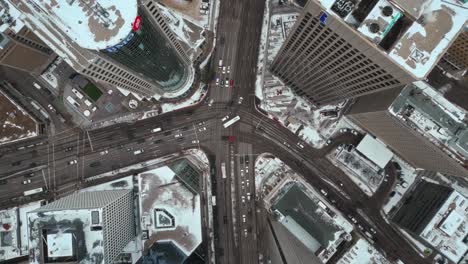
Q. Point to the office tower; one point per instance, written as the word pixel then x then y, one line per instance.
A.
pixel 86 227
pixel 419 125
pixel 349 48
pixel 438 215
pixel 124 43
pixel 24 51
pixel 457 54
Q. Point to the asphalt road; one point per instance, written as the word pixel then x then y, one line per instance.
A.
pixel 237 240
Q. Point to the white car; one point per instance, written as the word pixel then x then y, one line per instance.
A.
pixel 225 118
pixel 247 183
pixel 217 81
pixel 243 198
pixel 354 132
pixel 178 135
pixel 51 108
pixel 245 232
pixel 243 219
pixel 109 92
pixel 224 69
pixel 202 129
pixel 299 144
pixel 104 152
pixel 240 100
pixel 228 69
pixel 27 181
pixel 248 196
pixel 211 102
pixel 71 162
pixel 195 141
pixel 329 141
pixel 323 192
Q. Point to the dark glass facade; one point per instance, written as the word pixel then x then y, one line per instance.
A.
pixel 148 52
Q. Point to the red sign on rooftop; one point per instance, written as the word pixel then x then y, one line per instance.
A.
pixel 136 23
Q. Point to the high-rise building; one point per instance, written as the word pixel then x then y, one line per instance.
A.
pixel 419 125
pixel 438 215
pixel 341 49
pixel 87 227
pixel 124 43
pixel 457 54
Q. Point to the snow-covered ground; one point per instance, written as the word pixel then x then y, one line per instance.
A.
pixel 363 253
pixel 408 175
pixel 194 99
pixel 278 100
pixel 360 170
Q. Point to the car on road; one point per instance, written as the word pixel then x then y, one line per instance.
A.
pixel 224 69
pixel 71 162
pixel 201 129
pixel 210 103
pixel 129 149
pixel 195 141
pixel 225 118
pixel 286 144
pixel 247 182
pixel 240 100
pixel 156 129
pixel 243 199
pixel 231 82
pixel 226 83
pixel 354 132
pixel 228 69
pixel 246 157
pixel 245 232
pixel 299 144
pixel 244 219
pixel 343 130
pixel 104 152
pixel 51 108
pixel 217 81
pixel 138 152
pixel 248 196
pixel 328 142
pixel 323 192
pixel 68 149
pixel 178 135
pixel 27 181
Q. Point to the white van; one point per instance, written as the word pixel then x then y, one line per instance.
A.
pixel 155 130
pixel 220 63
pixel 37 86
pixel 138 152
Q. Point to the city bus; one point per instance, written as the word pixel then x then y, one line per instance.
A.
pixel 231 122
pixel 33 191
pixel 223 170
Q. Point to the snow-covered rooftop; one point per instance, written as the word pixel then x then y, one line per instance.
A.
pixel 431 26
pixel 362 253
pixel 177 209
pixel 448 228
pixel 375 151
pixel 92 24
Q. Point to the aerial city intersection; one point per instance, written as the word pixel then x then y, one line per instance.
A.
pixel 247 131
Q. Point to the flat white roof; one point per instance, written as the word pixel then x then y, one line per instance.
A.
pixel 92 24
pixel 375 151
pixel 60 245
pixel 451 223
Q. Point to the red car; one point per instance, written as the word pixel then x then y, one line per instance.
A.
pixel 232 138
pixel 231 82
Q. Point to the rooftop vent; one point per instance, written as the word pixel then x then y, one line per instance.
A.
pixel 387 11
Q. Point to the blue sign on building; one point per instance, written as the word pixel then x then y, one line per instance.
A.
pixel 323 17
pixel 121 44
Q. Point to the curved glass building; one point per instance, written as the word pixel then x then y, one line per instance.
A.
pixel 148 52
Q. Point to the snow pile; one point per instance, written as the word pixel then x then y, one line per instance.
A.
pixel 163 196
pixel 363 253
